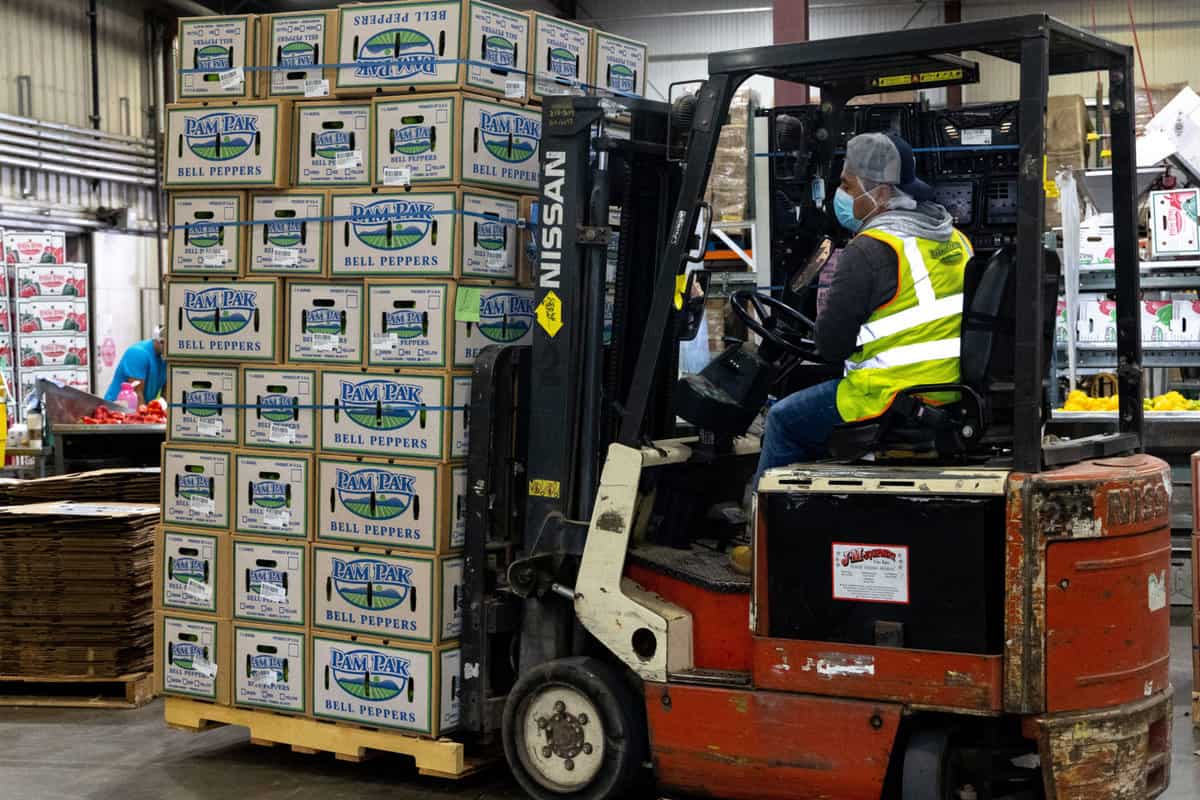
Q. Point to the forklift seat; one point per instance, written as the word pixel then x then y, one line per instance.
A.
pixel 910 424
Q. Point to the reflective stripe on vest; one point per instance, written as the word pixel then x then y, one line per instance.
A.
pixel 913 338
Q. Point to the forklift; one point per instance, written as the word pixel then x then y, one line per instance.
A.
pixel 953 606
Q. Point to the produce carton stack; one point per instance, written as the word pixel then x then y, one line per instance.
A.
pixel 46 305
pixel 344 242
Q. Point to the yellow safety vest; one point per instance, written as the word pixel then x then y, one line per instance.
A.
pixel 913 338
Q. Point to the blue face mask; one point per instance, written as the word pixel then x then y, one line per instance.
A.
pixel 843 209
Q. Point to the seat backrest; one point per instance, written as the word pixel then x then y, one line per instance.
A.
pixel 986 288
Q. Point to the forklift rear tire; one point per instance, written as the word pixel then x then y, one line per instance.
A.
pixel 930 766
pixel 573 730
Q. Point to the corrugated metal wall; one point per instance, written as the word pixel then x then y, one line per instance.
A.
pixel 1168 31
pixel 48 41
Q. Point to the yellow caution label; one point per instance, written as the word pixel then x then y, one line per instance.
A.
pixel 935 76
pixel 543 488
pixel 893 80
pixel 549 316
pixel 1048 184
pixel 940 75
pixel 680 287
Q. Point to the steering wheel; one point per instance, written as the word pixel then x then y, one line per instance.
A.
pixel 782 326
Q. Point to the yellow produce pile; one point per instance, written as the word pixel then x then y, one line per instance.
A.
pixel 1171 401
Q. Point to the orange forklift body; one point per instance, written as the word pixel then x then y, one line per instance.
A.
pixel 1084 667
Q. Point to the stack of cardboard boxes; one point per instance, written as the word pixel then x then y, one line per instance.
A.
pixel 344 242
pixel 45 305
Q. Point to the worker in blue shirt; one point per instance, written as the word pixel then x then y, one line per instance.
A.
pixel 143 366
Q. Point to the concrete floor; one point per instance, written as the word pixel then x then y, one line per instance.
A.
pixel 56 754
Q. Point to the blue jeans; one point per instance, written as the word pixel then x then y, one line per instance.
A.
pixel 798 427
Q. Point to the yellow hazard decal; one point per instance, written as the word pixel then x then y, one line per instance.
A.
pixel 936 76
pixel 543 488
pixel 549 316
pixel 1048 184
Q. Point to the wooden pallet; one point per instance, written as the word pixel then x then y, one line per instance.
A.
pixel 441 758
pixel 77 691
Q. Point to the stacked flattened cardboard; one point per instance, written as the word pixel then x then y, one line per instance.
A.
pixel 46 304
pixel 124 485
pixel 346 198
pixel 75 588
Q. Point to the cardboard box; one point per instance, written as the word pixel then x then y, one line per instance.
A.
pixel 229 320
pixel 386 414
pixel 618 64
pixel 46 247
pixel 51 315
pixel 527 245
pixel 6 316
pixel 51 280
pixel 228 145
pixel 458 507
pixel 394 233
pixel 273 494
pixel 332 144
pixel 270 669
pixel 222 47
pixel 454 138
pixel 7 355
pixel 559 56
pixel 418 234
pixel 1174 226
pixel 196 486
pixel 431 325
pixel 193 572
pixel 383 593
pixel 280 411
pixel 52 350
pixel 74 377
pixel 203 403
pixel 1157 322
pixel 461 400
pixel 1186 323
pixel 288 237
pixel 325 322
pixel 1096 249
pixel 388 504
pixel 206 237
pixel 368 681
pixel 1097 321
pixel 426 46
pixel 269 577
pixel 294 41
pixel 191 656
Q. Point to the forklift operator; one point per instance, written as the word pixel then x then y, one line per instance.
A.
pixel 893 308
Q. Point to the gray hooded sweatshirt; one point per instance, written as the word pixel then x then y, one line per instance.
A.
pixel 864 277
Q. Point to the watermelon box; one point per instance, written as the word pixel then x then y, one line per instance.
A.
pixel 6 320
pixel 6 351
pixel 427 45
pixel 1157 322
pixel 51 315
pixel 74 377
pixel 1187 320
pixel 51 280
pixel 1174 222
pixel 47 247
pixel 1097 321
pixel 224 45
pixel 296 40
pixel 49 350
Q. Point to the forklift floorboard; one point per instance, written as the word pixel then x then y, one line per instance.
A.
pixel 55 754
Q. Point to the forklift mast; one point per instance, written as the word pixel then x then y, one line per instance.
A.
pixel 541 418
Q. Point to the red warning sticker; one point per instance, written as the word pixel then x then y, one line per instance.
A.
pixel 873 573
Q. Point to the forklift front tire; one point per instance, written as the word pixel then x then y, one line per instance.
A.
pixel 573 730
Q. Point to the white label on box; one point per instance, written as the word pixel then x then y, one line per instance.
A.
pixel 284 256
pixel 397 176
pixel 1157 590
pixel 216 258
pixel 231 78
pixel 977 136
pixel 324 341
pixel 278 519
pixel 273 592
pixel 202 505
pixel 281 433
pixel 497 260
pixel 514 87
pixel 385 343
pixel 348 159
pixel 872 573
pixel 265 677
pixel 316 87
pixel 211 427
pixel 205 667
pixel 198 590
